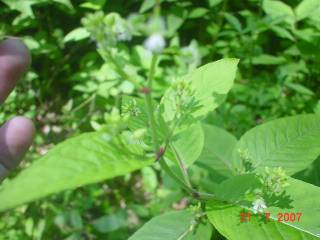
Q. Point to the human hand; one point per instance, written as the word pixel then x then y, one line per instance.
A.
pixel 15 135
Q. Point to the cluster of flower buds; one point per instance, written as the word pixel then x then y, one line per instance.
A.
pixel 131 109
pixel 183 97
pixel 115 122
pixel 246 160
pixel 107 30
pixel 274 180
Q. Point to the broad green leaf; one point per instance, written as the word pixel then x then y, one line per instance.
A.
pixel 169 226
pixel 310 174
pixel 209 83
pixel 226 217
pixel 291 143
pixel 235 188
pixel 212 82
pixel 189 143
pixel 307 8
pixel 278 10
pixel 217 150
pixel 85 159
pixel 76 35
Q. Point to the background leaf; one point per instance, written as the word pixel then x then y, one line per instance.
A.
pixel 169 226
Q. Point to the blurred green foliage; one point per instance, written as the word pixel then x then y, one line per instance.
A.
pixel 69 88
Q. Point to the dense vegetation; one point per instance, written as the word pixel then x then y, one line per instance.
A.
pixel 72 89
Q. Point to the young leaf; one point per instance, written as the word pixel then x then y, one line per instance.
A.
pixel 211 83
pixel 278 10
pixel 307 8
pixel 169 226
pixel 223 215
pixel 85 159
pixel 291 143
pixel 206 86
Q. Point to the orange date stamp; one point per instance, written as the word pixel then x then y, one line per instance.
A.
pixel 282 217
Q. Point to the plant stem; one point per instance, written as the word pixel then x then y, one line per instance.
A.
pixel 156 146
pixel 148 98
pixel 182 166
pixel 84 103
pixel 185 184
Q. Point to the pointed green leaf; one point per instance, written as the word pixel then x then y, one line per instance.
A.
pixel 307 8
pixel 292 143
pixel 212 82
pixel 85 159
pixel 209 85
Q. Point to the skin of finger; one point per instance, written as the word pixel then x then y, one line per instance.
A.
pixel 14 61
pixel 16 137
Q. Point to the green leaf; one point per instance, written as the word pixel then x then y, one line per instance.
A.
pixel 209 83
pixel 235 188
pixel 282 32
pixel 217 150
pixel 85 159
pixel 23 6
pixel 307 8
pixel 266 59
pixel 299 88
pixel 311 174
pixel 233 21
pixel 189 143
pixel 213 3
pixel 66 3
pixel 76 35
pixel 111 222
pixel 198 12
pixel 146 5
pixel 278 10
pixel 169 226
pixel 93 4
pixel 203 231
pixel 226 217
pixel 291 143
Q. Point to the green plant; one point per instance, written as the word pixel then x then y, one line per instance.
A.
pixel 71 90
pixel 222 177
